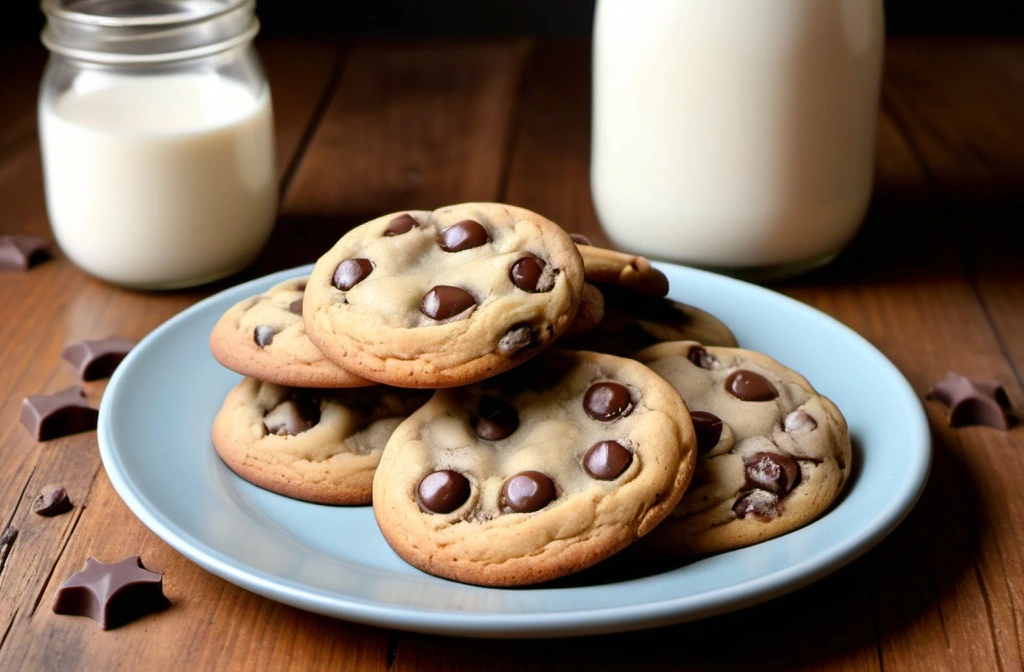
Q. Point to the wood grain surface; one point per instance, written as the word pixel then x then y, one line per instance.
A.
pixel 935 280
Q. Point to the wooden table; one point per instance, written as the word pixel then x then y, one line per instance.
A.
pixel 935 280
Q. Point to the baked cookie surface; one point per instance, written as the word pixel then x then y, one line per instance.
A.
pixel 535 474
pixel 621 269
pixel 316 445
pixel 773 454
pixel 264 337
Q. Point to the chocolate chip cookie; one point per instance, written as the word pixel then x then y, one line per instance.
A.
pixel 537 473
pixel 317 445
pixel 611 267
pixel 773 454
pixel 264 337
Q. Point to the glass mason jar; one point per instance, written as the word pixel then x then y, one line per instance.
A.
pixel 736 135
pixel 157 139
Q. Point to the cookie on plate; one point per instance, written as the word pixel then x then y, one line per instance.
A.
pixel 264 337
pixel 611 267
pixel 443 298
pixel 773 454
pixel 316 445
pixel 537 473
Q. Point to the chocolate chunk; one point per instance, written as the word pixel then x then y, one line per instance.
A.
pixel 19 252
pixel 444 301
pixel 607 401
pixel 799 422
pixel 112 594
pixel 292 416
pixel 702 358
pixel 264 335
pixel 401 224
pixel 708 428
pixel 463 235
pixel 762 504
pixel 49 416
pixel 515 340
pixel 495 419
pixel 527 274
pixel 527 491
pixel 442 491
pixel 296 306
pixel 52 501
pixel 972 402
pixel 606 460
pixel 580 239
pixel 749 386
pixel 351 272
pixel 773 472
pixel 96 359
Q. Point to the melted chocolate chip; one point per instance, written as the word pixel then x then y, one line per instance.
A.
pixel 351 272
pixel 774 472
pixel 708 428
pixel 517 339
pixel 702 358
pixel 799 422
pixel 749 386
pixel 527 491
pixel 495 419
pixel 442 491
pixel 401 224
pixel 580 239
pixel 526 275
pixel 606 460
pixel 264 335
pixel 762 504
pixel 444 301
pixel 463 235
pixel 296 306
pixel 607 401
pixel 292 416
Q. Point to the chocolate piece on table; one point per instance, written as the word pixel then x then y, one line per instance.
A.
pixel 112 594
pixel 49 416
pixel 96 359
pixel 972 402
pixel 19 252
pixel 52 501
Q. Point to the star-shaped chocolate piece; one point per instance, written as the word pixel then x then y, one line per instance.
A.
pixel 973 402
pixel 49 416
pixel 19 252
pixel 96 359
pixel 112 594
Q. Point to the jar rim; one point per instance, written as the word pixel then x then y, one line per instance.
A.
pixel 55 9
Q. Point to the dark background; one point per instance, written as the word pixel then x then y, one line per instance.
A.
pixel 22 19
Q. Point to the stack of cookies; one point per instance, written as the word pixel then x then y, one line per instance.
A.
pixel 413 370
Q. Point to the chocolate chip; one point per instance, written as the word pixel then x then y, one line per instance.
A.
pixel 442 491
pixel 607 401
pixel 401 224
pixel 463 235
pixel 773 472
pixel 351 272
pixel 49 416
pixel 19 252
pixel 111 594
pixel 580 239
pixel 799 422
pixel 515 340
pixel 495 419
pixel 264 335
pixel 702 358
pixel 292 416
pixel 606 460
pixel 296 306
pixel 973 402
pixel 708 428
pixel 52 501
pixel 762 504
pixel 526 274
pixel 527 491
pixel 749 386
pixel 444 301
pixel 96 359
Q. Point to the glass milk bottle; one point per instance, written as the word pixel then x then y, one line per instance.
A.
pixel 157 139
pixel 736 135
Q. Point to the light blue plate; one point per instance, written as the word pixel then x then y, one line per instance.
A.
pixel 154 437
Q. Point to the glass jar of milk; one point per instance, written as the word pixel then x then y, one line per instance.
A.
pixel 736 135
pixel 157 139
